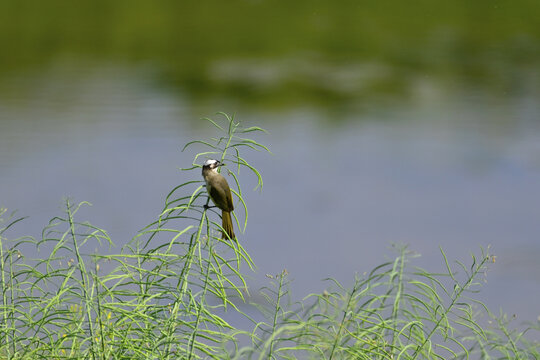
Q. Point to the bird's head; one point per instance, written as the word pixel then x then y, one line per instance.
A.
pixel 212 164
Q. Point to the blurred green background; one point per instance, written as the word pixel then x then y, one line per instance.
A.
pixel 277 53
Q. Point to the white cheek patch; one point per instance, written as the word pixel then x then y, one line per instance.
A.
pixel 210 162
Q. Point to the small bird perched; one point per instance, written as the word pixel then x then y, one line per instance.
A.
pixel 220 193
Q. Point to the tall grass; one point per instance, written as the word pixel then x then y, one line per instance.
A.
pixel 165 293
pixel 395 312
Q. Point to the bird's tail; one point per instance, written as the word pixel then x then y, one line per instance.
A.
pixel 227 225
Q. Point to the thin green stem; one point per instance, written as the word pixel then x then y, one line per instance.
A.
pixel 398 296
pixel 5 306
pixel 457 296
pixel 99 314
pixel 277 309
pixel 343 320
pixel 83 273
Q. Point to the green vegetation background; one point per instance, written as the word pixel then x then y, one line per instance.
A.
pixel 483 42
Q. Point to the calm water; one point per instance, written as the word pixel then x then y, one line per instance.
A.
pixel 453 169
pixel 418 126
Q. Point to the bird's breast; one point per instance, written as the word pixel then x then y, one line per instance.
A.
pixel 209 190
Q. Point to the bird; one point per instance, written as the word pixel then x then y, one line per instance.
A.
pixel 220 193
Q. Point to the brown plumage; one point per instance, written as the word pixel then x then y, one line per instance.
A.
pixel 220 193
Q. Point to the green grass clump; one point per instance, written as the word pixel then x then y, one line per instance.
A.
pixel 396 311
pixel 166 293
